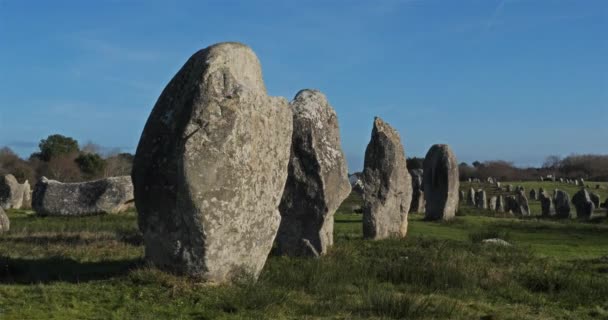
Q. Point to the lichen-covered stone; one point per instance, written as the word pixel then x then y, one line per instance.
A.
pixel 388 189
pixel 109 195
pixel 317 182
pixel 211 166
pixel 441 183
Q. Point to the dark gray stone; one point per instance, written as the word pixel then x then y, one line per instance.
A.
pixel 317 182
pixel 561 202
pixel 583 204
pixel 481 200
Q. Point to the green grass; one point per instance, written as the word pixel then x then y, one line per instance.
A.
pixel 93 268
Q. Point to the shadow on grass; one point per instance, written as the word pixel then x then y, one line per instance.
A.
pixel 128 237
pixel 60 269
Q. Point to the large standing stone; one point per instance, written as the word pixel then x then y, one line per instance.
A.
pixel 211 166
pixel 11 192
pixel 561 202
pixel 481 200
pixel 509 188
pixel 583 204
pixel 388 187
pixel 27 195
pixel 5 223
pixel 441 183
pixel 546 204
pixel 109 195
pixel 317 182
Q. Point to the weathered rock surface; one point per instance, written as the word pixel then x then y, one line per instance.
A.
pixel 11 192
pixel 561 202
pixel 5 223
pixel 109 195
pixel 481 199
pixel 27 195
pixel 388 187
pixel 317 182
pixel 356 183
pixel 583 204
pixel 441 183
pixel 211 167
pixel 496 241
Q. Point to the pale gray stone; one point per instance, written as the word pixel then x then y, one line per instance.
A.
pixel 109 195
pixel 441 183
pixel 388 187
pixel 500 204
pixel 492 203
pixel 317 182
pixel 496 241
pixel 211 167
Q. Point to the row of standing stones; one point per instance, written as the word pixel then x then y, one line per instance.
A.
pixel 558 206
pixel 223 171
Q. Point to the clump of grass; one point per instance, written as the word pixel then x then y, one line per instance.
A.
pixel 388 304
pixel 480 235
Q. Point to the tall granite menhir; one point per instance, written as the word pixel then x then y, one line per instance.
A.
pixel 317 182
pixel 388 188
pixel 211 166
pixel 441 183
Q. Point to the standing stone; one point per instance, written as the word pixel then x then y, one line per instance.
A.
pixel 576 182
pixel 388 189
pixel 509 188
pixel 417 204
pixel 211 166
pixel 441 183
pixel 493 201
pixel 5 223
pixel 500 204
pixel 317 182
pixel 11 192
pixel 471 197
pixel 498 184
pixel 27 195
pixel 462 196
pixel 561 202
pixel 561 180
pixel 109 195
pixel 533 195
pixel 595 198
pixel 597 187
pixel 583 204
pixel 481 201
pixel 518 204
pixel 546 204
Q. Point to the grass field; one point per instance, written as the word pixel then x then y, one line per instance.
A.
pixel 93 268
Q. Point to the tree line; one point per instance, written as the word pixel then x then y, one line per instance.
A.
pixel 61 158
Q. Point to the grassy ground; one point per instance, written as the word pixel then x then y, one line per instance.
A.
pixel 92 268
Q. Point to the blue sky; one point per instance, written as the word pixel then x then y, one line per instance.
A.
pixel 515 80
